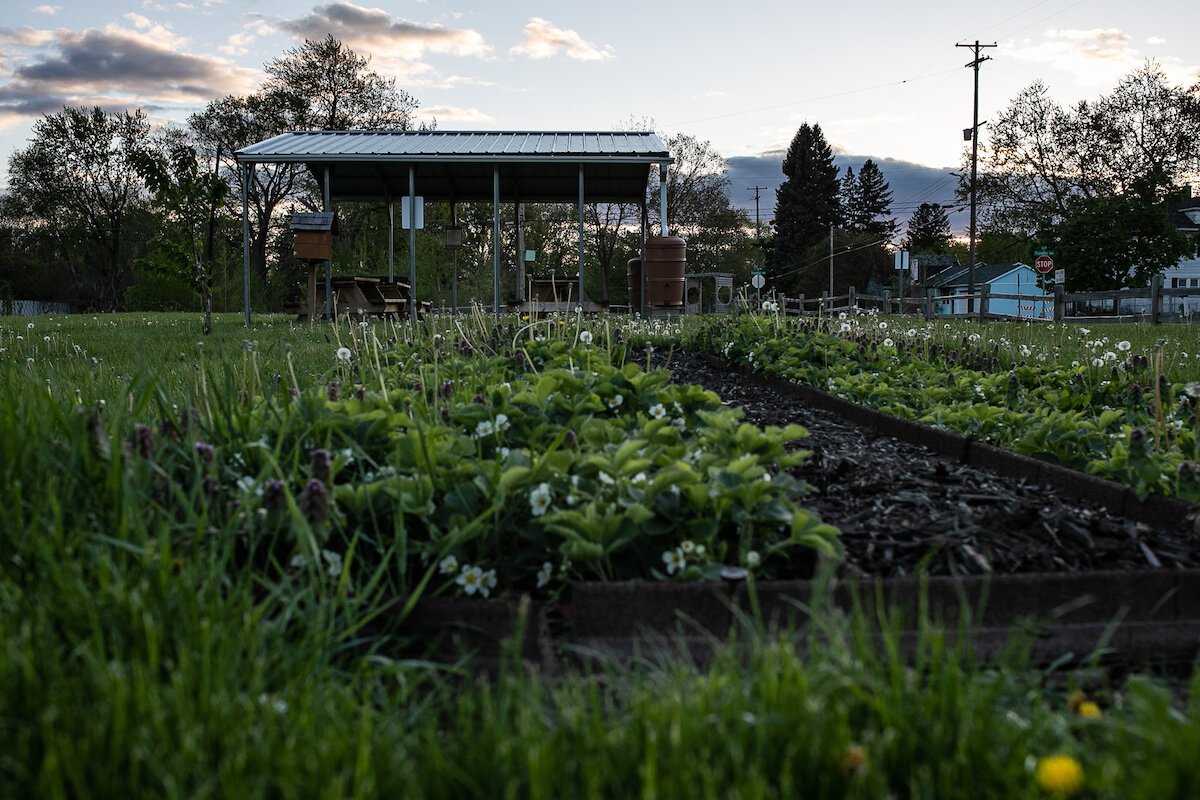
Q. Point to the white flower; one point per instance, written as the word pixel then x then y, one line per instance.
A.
pixel 674 560
pixel 470 579
pixel 333 562
pixel 752 559
pixel 1110 356
pixel 1097 362
pixel 484 428
pixel 639 479
pixel 245 483
pixel 298 561
pixel 544 574
pixel 1124 346
pixel 504 451
pixel 487 582
pixel 974 337
pixel 1085 331
pixel 657 411
pixel 766 305
pixel 680 423
pixel 615 401
pixel 448 565
pixel 501 422
pixel 585 337
pixel 539 499
pixel 883 326
pixel 687 546
pixel 845 327
pixel 605 478
pixel 1192 389
pixel 343 354
pixel 888 342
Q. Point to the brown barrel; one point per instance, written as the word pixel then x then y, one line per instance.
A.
pixel 633 272
pixel 666 261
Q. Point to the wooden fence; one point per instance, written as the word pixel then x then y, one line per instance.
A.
pixel 1064 305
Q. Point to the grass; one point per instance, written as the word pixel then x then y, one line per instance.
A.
pixel 144 656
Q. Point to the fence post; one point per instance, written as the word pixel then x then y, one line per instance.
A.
pixel 929 304
pixel 851 300
pixel 800 305
pixel 984 292
pixel 887 301
pixel 1060 302
pixel 1156 285
pixel 826 302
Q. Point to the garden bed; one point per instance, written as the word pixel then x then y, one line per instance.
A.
pixel 904 507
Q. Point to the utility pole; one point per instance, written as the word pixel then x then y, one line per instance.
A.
pixel 974 133
pixel 831 268
pixel 757 229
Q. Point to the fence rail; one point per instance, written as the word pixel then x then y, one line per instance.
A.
pixel 1058 306
pixel 33 308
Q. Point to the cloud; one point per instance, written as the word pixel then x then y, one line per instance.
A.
pixel 114 68
pixel 375 31
pixel 239 43
pixel 49 11
pixel 1097 57
pixel 453 114
pixel 543 40
pixel 454 81
pixel 1156 40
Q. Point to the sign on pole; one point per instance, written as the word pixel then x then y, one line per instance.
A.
pixel 757 279
pixel 405 214
pixel 1060 276
pixel 1043 264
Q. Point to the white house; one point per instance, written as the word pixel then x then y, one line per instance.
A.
pixel 1185 274
pixel 1037 298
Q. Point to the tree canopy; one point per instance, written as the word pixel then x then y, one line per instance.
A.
pixel 806 203
pixel 928 230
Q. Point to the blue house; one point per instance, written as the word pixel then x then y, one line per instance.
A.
pixel 1037 301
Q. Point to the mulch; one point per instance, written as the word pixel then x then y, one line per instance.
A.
pixel 904 509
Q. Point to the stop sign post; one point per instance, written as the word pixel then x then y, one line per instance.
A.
pixel 1043 264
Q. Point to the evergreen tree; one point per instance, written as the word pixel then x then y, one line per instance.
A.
pixel 806 203
pixel 848 199
pixel 868 203
pixel 928 229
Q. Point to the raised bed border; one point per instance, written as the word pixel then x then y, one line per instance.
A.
pixel 1120 499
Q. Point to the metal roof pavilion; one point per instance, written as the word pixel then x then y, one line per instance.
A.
pixel 454 166
pixel 459 165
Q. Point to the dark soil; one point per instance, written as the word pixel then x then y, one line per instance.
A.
pixel 902 508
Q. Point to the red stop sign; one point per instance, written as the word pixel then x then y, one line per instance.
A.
pixel 1043 264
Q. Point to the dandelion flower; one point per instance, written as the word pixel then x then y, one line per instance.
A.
pixel 585 337
pixel 1060 775
pixel 539 499
pixel 674 560
pixel 752 559
pixel 845 327
pixel 888 342
pixel 448 565
pixel 343 354
pixel 1088 708
pixel 1124 346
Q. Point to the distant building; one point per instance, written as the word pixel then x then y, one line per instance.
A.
pixel 1011 279
pixel 1185 274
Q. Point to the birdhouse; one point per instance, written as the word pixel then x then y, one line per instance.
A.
pixel 312 235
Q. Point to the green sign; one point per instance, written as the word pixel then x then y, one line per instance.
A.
pixel 757 272
pixel 1043 251
pixel 529 254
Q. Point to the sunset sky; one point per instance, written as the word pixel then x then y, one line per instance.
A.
pixel 883 79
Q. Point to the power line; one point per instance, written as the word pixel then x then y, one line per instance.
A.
pixel 975 48
pixel 757 226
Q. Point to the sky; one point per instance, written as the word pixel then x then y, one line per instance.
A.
pixel 883 79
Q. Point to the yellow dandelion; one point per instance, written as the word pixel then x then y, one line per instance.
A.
pixel 853 760
pixel 1060 775
pixel 1088 709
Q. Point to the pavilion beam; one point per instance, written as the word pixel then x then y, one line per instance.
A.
pixel 662 200
pixel 581 235
pixel 496 240
pixel 642 271
pixel 391 215
pixel 412 242
pixel 327 206
pixel 246 239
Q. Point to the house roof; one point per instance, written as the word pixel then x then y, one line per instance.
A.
pixel 984 273
pixel 313 221
pixel 458 165
pixel 1186 215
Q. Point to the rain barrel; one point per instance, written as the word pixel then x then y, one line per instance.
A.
pixel 666 260
pixel 633 272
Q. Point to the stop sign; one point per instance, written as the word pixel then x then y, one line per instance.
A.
pixel 1043 264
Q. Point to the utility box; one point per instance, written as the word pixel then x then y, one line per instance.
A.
pixel 312 235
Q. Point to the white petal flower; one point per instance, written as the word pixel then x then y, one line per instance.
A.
pixel 485 428
pixel 487 582
pixel 687 546
pixel 752 559
pixel 501 422
pixel 615 401
pixel 657 411
pixel 545 574
pixel 539 499
pixel 470 579
pixel 333 562
pixel 674 560
pixel 448 565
